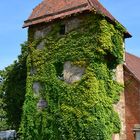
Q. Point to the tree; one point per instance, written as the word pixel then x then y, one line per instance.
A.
pixel 13 90
pixel 3 119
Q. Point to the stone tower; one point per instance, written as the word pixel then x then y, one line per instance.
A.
pixel 51 24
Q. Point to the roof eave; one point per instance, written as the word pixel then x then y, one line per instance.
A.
pixel 127 35
pixel 68 12
pixel 56 15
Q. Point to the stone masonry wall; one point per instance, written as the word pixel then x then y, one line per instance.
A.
pixel 70 24
pixel 120 106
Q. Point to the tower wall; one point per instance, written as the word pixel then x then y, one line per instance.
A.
pixel 41 31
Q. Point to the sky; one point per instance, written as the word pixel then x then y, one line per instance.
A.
pixel 12 16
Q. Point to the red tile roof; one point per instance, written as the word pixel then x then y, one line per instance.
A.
pixel 132 63
pixel 49 10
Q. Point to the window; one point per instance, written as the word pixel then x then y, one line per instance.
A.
pixel 137 134
pixel 136 131
pixel 62 29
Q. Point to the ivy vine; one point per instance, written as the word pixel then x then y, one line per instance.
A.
pixel 82 110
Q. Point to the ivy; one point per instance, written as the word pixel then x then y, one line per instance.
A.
pixel 82 110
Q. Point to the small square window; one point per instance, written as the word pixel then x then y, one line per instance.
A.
pixel 62 29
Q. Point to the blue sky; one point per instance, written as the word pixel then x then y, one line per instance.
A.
pixel 13 15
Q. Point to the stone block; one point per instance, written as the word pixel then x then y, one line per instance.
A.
pixel 41 104
pixel 36 88
pixel 72 24
pixel 41 45
pixel 42 32
pixel 72 73
pixel 119 74
pixel 32 71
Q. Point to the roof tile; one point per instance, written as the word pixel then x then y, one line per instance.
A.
pixel 49 10
pixel 133 64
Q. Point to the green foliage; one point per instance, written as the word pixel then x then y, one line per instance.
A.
pixel 3 119
pixel 14 89
pixel 82 110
